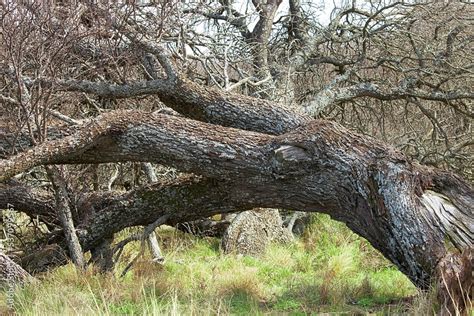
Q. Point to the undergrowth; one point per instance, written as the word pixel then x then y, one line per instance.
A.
pixel 329 269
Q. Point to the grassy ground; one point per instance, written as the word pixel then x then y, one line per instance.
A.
pixel 328 270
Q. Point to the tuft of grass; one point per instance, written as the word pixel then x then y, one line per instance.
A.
pixel 329 269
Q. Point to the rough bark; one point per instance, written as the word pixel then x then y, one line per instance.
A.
pixel 11 273
pixel 258 40
pixel 65 216
pixel 251 231
pixel 205 104
pixel 35 203
pixel 124 135
pixel 415 215
pixel 321 167
pixel 332 94
pixel 184 199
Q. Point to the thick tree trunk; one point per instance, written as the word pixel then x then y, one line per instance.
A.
pixel 415 215
pixel 321 167
pixel 245 153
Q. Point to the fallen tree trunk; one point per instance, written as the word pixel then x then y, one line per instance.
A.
pixel 320 167
pixel 415 215
pixel 243 152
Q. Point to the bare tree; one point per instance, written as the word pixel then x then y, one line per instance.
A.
pixel 85 85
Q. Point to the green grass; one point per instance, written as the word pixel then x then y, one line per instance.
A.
pixel 329 269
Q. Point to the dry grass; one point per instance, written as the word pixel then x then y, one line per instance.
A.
pixel 328 270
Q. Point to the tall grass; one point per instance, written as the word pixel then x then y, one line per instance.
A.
pixel 329 269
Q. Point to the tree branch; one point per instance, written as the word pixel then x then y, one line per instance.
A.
pixel 138 136
pixel 331 95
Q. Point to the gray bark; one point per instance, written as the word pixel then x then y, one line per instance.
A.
pixel 252 231
pixel 370 186
pixel 65 216
pixel 155 248
pixel 151 239
pixel 197 102
pixel 414 215
pixel 11 274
